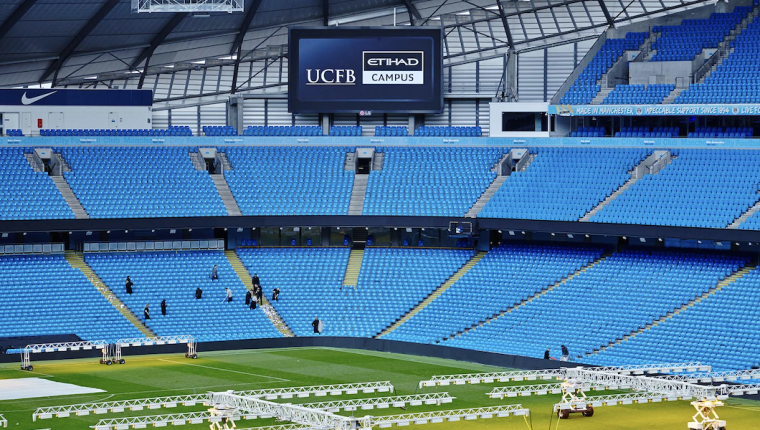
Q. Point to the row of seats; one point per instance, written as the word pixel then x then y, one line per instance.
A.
pixel 296 130
pixel 730 132
pixel 391 131
pixel 345 130
pixel 638 94
pixel 219 130
pixel 588 132
pixel 645 132
pixel 14 132
pixel 434 131
pixel 171 131
pixel 684 41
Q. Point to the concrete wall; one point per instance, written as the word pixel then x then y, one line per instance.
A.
pixel 659 72
pixel 76 117
pixel 497 108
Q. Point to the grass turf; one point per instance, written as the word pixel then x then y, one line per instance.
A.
pixel 166 375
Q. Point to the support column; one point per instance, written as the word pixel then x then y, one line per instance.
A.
pixel 325 120
pixel 235 113
pixel 510 86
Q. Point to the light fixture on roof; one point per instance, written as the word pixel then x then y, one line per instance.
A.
pixel 240 229
pixel 553 234
pixel 642 240
pixel 587 236
pixel 89 233
pixel 660 239
pixel 91 78
pixel 173 231
pixel 570 236
pixel 511 233
pixel 24 233
pixel 625 238
pixel 523 232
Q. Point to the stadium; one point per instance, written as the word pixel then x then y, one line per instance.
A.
pixel 356 214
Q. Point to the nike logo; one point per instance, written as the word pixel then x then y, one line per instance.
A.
pixel 27 101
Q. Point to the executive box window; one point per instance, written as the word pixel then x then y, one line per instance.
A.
pixel 524 121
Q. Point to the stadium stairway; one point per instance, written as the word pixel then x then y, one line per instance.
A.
pixel 358 193
pixel 438 291
pixel 743 217
pixel 492 188
pixel 70 198
pixel 246 278
pixel 76 261
pixel 220 182
pixel 535 296
pixel 647 166
pixel 354 266
pixel 724 47
pixel 735 276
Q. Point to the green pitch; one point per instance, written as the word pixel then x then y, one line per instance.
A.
pixel 166 375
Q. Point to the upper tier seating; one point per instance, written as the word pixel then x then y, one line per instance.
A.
pixel 683 42
pixel 619 295
pixel 391 131
pixel 140 182
pixel 226 130
pixel 430 181
pixel 174 276
pixel 563 184
pixel 638 94
pixel 298 130
pixel 426 131
pixel 585 87
pixel 391 282
pixel 729 133
pixel 44 295
pixel 721 330
pixel 588 132
pixel 171 131
pixel 345 130
pixel 290 181
pixel 644 132
pixel 506 276
pixel 701 188
pixel 738 70
pixel 26 194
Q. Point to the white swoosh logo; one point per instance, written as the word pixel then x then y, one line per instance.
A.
pixel 28 101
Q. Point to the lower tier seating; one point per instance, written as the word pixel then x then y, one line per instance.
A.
pixel 391 282
pixel 174 277
pixel 44 295
pixel 620 295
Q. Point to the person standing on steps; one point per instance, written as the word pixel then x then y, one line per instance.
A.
pixel 198 293
pixel 276 295
pixel 146 312
pixel 129 286
pixel 260 295
pixel 248 296
pixel 214 274
pixel 317 325
pixel 565 354
pixel 255 280
pixel 163 307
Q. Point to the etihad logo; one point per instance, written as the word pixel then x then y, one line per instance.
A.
pixel 393 67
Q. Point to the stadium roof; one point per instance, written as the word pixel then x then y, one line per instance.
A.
pixel 67 41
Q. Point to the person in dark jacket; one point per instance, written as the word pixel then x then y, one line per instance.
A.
pixel 214 274
pixel 146 311
pixel 255 281
pixel 565 353
pixel 163 307
pixel 248 296
pixel 315 325
pixel 260 295
pixel 252 305
pixel 276 295
pixel 129 285
pixel 547 356
pixel 198 293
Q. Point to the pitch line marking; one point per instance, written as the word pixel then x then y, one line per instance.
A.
pixel 225 370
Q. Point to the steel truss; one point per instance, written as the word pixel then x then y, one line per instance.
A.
pixel 656 368
pixel 614 399
pixel 118 406
pixel 26 362
pixel 489 378
pixel 188 6
pixel 213 416
pixel 733 375
pixel 319 390
pixel 382 402
pixel 451 415
pixel 158 340
pixel 643 383
pixel 738 390
pixel 252 406
pixel 537 389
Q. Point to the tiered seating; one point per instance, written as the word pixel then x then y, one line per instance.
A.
pixel 730 132
pixel 722 331
pixel 622 294
pixel 430 181
pixel 171 131
pixel 26 194
pixel 140 182
pixel 585 87
pixel 14 132
pixel 290 181
pixel 588 132
pixel 297 130
pixel 44 295
pixel 391 131
pixel 644 132
pixel 563 184
pixel 701 188
pixel 174 276
pixel 638 94
pixel 345 130
pixel 218 130
pixel 506 276
pixel 391 282
pixel 683 42
pixel 739 70
pixel 426 131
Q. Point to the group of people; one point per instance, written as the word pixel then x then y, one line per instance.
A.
pixel 565 354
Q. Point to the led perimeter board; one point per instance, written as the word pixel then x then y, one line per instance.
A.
pixel 355 69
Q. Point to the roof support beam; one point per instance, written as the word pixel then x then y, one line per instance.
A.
pixel 606 13
pixel 413 12
pixel 78 39
pixel 503 16
pixel 325 12
pixel 159 39
pixel 244 27
pixel 17 14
